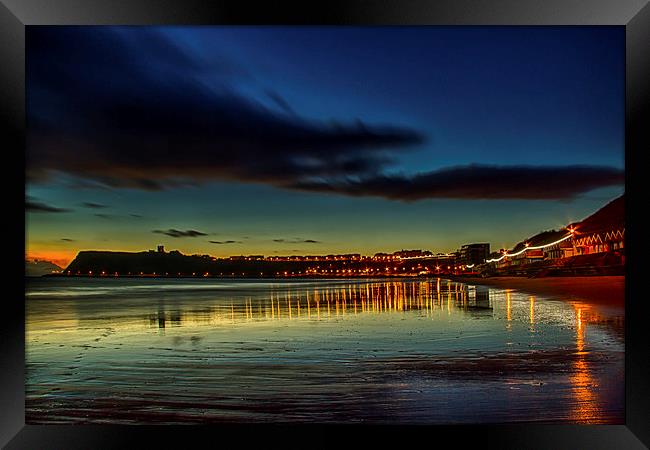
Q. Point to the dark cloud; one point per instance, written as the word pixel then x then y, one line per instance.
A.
pixel 478 182
pixel 180 234
pixel 92 205
pixel 280 101
pixel 68 240
pixel 32 205
pixel 116 216
pixel 225 242
pixel 106 216
pixel 297 241
pixel 128 109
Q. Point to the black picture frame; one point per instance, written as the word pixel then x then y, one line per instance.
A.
pixel 634 15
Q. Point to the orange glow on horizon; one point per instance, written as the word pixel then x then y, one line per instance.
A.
pixel 59 257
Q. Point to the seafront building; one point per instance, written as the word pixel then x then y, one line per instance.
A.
pixel 603 231
pixel 472 254
pixel 594 245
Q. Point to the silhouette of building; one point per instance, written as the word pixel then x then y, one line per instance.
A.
pixel 413 253
pixel 161 249
pixel 474 253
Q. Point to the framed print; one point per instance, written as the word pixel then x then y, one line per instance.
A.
pixel 261 221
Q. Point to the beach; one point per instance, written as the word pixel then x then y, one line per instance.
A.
pixel 428 351
pixel 598 290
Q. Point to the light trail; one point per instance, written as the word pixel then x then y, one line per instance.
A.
pixel 537 247
pixel 445 255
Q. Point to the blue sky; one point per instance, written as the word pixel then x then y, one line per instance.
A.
pixel 118 113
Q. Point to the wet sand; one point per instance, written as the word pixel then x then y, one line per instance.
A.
pixel 603 291
pixel 323 351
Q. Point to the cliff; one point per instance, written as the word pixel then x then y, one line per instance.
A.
pixel 172 264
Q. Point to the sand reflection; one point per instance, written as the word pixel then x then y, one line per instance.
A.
pixel 586 409
pixel 329 303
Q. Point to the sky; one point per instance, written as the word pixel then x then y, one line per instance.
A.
pixel 317 140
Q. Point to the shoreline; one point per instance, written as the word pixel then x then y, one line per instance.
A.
pixel 596 290
pixel 603 290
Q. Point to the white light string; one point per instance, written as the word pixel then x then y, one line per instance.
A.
pixel 530 248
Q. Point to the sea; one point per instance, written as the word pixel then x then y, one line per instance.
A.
pixel 119 350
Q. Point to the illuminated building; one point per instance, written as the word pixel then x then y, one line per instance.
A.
pixel 562 249
pixel 603 231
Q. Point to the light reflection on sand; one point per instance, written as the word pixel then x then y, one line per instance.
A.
pixel 422 351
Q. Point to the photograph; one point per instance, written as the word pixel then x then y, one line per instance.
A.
pixel 269 224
